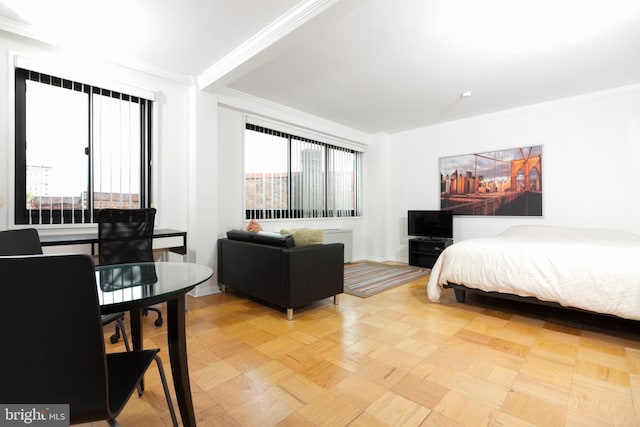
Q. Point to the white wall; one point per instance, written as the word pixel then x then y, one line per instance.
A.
pixel 203 184
pixel 184 185
pixel 171 124
pixel 230 174
pixel 378 235
pixel 591 152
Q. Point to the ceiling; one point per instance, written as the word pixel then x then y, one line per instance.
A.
pixel 372 65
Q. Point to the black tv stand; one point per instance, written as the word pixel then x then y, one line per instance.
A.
pixel 431 239
pixel 424 251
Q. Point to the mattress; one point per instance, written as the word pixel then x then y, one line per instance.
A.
pixel 590 269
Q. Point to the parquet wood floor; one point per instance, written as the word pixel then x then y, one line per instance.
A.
pixel 395 359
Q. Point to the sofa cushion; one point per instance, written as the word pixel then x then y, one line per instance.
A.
pixel 305 236
pixel 262 237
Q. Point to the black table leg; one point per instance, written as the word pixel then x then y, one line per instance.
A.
pixel 177 340
pixel 135 315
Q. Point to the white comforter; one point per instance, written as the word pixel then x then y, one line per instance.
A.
pixel 595 270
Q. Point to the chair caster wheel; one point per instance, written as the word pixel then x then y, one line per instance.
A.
pixel 114 339
pixel 158 322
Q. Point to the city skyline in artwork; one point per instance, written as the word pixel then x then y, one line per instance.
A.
pixel 502 182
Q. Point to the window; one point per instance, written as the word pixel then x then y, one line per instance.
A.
pixel 79 148
pixel 288 176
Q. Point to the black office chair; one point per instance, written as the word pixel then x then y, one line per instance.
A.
pixel 26 241
pixel 41 295
pixel 124 236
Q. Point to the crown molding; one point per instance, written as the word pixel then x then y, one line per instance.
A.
pixel 143 67
pixel 214 77
pixel 18 28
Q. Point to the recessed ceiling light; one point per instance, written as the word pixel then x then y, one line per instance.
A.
pixel 465 94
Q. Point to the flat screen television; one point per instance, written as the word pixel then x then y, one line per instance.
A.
pixel 436 224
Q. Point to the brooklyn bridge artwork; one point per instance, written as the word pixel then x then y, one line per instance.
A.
pixel 500 183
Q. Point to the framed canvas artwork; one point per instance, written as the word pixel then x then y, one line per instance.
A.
pixel 497 183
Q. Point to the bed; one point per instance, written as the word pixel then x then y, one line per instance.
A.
pixel 587 269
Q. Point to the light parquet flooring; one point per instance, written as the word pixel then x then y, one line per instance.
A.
pixel 395 359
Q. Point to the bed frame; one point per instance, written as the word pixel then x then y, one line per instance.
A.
pixel 592 319
pixel 460 292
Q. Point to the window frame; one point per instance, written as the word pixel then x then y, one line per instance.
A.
pixel 292 212
pixel 68 217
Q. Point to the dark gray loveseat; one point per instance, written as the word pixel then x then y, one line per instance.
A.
pixel 270 268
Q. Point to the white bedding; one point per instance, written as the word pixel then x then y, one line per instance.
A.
pixel 595 270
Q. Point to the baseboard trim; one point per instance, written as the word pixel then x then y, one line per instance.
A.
pixel 204 289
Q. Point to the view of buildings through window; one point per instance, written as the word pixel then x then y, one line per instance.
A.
pixel 56 142
pixel 292 177
pixel 84 148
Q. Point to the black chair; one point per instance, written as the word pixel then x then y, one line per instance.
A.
pixel 26 241
pixel 41 295
pixel 124 236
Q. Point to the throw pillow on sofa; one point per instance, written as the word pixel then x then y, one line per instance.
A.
pixel 305 236
pixel 254 226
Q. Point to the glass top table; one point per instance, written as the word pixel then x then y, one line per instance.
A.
pixel 133 287
pixel 122 286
